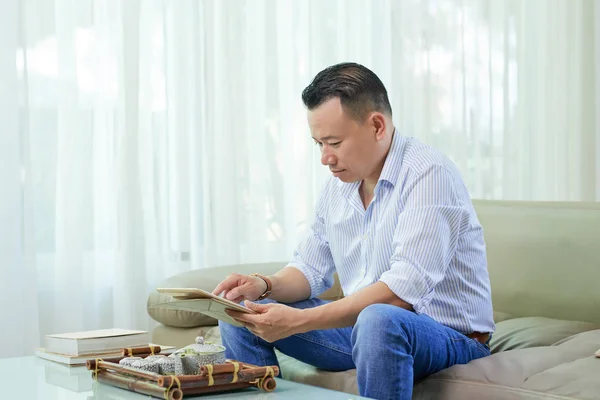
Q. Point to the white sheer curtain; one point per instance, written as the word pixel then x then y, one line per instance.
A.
pixel 140 139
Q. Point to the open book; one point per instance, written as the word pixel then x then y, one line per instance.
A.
pixel 198 300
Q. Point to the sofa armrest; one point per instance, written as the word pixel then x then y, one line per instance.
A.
pixel 206 279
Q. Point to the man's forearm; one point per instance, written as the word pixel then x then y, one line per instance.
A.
pixel 289 286
pixel 344 312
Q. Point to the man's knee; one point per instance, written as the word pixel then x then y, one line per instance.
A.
pixel 376 316
pixel 379 322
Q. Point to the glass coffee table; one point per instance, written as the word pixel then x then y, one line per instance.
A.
pixel 32 378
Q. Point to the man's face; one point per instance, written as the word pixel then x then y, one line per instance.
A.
pixel 349 148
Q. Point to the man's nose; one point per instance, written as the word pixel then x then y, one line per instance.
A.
pixel 326 157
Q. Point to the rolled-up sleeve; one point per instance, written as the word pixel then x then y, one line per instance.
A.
pixel 426 236
pixel 313 256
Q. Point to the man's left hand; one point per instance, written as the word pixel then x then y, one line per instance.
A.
pixel 273 321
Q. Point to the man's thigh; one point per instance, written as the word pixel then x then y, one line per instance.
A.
pixel 433 346
pixel 440 347
pixel 329 349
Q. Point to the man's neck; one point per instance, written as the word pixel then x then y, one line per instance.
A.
pixel 366 193
pixel 367 186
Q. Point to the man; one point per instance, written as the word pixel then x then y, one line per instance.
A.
pixel 397 224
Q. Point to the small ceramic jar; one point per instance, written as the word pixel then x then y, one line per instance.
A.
pixel 198 354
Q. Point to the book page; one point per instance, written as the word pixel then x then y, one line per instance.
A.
pixel 193 293
pixel 207 307
pixel 102 333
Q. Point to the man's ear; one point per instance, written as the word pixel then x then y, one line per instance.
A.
pixel 378 124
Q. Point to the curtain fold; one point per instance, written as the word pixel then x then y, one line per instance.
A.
pixel 141 139
pixel 18 285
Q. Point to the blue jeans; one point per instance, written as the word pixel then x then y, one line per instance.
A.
pixel 390 347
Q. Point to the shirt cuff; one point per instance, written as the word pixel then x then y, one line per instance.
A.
pixel 317 284
pixel 409 285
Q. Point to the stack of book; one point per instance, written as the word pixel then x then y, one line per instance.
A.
pixel 77 347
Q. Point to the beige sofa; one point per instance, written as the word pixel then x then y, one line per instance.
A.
pixel 544 263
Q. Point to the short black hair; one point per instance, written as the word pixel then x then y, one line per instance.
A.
pixel 360 91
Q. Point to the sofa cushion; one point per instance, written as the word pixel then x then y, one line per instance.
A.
pixel 181 337
pixel 521 333
pixel 501 316
pixel 206 279
pixel 565 370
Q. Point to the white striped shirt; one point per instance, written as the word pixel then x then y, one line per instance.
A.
pixel 419 235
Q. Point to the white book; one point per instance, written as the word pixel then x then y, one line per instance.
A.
pixel 81 360
pixel 92 342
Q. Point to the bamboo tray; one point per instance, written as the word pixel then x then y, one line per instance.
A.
pixel 211 378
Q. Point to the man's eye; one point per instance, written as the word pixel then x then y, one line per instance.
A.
pixel 336 144
pixel 318 144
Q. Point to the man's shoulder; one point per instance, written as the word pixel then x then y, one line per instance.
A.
pixel 420 157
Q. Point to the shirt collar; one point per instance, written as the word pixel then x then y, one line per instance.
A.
pixel 348 188
pixel 391 166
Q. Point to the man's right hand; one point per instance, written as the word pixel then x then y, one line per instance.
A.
pixel 238 287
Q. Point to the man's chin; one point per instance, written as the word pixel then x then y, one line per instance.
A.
pixel 346 178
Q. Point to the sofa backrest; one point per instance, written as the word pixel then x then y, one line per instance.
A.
pixel 543 258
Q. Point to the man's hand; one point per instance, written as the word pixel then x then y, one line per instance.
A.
pixel 273 321
pixel 238 287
